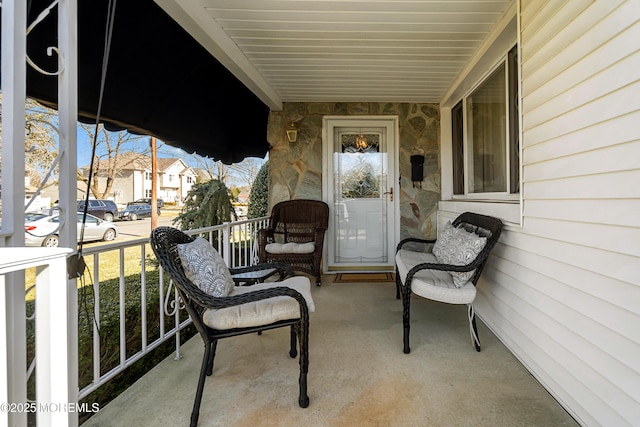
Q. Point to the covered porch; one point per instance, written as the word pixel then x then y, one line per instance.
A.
pixel 561 291
pixel 358 374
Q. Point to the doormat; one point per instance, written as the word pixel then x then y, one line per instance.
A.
pixel 363 277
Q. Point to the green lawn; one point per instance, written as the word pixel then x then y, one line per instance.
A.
pixel 109 268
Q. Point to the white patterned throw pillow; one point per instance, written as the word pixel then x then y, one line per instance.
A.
pixel 204 266
pixel 457 246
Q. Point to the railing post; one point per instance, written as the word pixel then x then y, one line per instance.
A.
pixel 176 318
pixel 55 357
pixel 67 123
pixel 13 71
pixel 226 246
pixel 12 351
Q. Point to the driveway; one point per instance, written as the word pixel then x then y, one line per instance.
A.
pixel 129 230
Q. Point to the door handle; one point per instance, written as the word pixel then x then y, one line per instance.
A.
pixel 390 193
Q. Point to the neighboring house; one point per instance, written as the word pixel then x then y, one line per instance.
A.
pixel 134 179
pixel 32 201
pixel 176 179
pixel 243 196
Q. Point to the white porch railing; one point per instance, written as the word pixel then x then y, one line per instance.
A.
pixel 235 241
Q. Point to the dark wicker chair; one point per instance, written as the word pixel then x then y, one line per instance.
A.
pixel 296 221
pixel 164 241
pixel 421 272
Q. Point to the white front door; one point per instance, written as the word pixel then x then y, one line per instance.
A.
pixel 360 187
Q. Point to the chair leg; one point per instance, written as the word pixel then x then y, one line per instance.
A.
pixel 203 374
pixel 212 355
pixel 406 298
pixel 473 329
pixel 397 284
pixel 303 338
pixel 293 352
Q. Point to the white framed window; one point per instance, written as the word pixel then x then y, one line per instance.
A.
pixel 147 193
pixel 171 178
pixel 147 176
pixel 485 135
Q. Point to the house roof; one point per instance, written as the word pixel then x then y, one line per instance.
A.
pixel 133 161
pixel 166 163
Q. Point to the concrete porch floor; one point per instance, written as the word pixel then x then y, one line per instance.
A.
pixel 358 374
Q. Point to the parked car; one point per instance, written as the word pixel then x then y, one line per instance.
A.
pixel 42 230
pixel 147 201
pixel 134 212
pixel 104 209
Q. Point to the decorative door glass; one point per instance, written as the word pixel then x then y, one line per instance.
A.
pixel 360 198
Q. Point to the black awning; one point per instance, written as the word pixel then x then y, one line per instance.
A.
pixel 160 81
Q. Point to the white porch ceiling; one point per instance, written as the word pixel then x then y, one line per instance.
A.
pixel 341 50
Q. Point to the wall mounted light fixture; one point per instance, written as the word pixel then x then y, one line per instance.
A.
pixel 292 132
pixel 417 166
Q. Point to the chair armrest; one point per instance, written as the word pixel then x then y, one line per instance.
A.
pixel 319 234
pixel 283 270
pixel 449 267
pixel 265 235
pixel 414 240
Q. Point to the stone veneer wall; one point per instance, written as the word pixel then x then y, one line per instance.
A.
pixel 295 169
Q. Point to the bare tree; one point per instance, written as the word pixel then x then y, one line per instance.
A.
pixel 42 146
pixel 215 169
pixel 237 174
pixel 247 170
pixel 109 159
pixel 221 171
pixel 242 173
pixel 41 141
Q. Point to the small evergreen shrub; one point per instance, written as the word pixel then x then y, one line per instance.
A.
pixel 259 194
pixel 207 203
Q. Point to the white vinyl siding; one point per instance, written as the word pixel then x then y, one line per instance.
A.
pixel 563 290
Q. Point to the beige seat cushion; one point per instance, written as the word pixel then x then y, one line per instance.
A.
pixel 433 284
pixel 261 312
